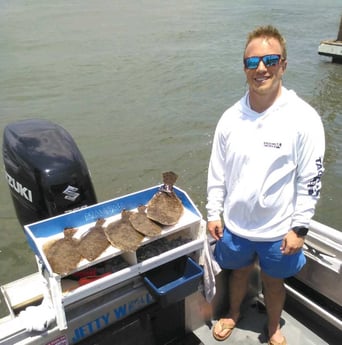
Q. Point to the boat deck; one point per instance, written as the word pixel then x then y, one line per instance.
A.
pixel 251 330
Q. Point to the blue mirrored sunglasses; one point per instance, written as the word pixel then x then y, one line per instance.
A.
pixel 268 60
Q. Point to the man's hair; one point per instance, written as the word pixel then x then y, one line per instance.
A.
pixel 268 31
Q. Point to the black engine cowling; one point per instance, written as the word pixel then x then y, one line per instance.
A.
pixel 45 170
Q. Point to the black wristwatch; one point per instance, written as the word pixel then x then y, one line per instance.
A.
pixel 300 230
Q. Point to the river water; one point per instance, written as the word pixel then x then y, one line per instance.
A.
pixel 140 86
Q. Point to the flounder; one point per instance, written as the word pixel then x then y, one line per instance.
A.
pixel 122 235
pixel 94 242
pixel 165 207
pixel 144 225
pixel 62 253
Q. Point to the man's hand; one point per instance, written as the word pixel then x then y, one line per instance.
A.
pixel 292 243
pixel 216 229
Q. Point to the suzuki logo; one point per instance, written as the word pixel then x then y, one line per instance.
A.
pixel 19 188
pixel 71 193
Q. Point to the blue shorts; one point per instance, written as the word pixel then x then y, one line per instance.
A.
pixel 233 252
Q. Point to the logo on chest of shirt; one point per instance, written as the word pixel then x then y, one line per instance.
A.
pixel 272 145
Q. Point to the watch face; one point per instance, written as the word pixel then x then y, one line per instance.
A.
pixel 300 230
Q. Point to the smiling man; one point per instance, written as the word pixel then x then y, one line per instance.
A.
pixel 264 180
pixel 264 79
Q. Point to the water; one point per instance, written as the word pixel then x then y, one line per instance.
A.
pixel 140 85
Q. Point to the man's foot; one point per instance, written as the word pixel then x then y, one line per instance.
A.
pixel 223 328
pixel 273 342
pixel 277 338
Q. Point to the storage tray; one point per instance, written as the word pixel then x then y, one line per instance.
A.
pixel 173 281
pixel 52 228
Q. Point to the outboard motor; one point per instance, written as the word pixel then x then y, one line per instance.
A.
pixel 45 170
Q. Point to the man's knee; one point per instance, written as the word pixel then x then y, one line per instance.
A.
pixel 273 284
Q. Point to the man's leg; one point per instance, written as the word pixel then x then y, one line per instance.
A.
pixel 274 294
pixel 238 286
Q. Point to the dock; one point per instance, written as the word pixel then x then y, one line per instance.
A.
pixel 332 48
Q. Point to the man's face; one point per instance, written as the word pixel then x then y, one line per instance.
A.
pixel 264 80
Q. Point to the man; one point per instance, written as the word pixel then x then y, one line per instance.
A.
pixel 264 179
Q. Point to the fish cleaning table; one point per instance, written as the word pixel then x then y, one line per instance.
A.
pixel 184 238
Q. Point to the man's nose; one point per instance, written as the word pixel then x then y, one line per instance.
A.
pixel 261 66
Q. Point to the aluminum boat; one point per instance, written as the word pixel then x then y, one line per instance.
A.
pixel 155 295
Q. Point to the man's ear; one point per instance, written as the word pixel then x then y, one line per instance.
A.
pixel 284 65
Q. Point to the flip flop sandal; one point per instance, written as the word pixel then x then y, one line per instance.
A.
pixel 273 342
pixel 224 326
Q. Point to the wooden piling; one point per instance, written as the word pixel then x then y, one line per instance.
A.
pixel 339 35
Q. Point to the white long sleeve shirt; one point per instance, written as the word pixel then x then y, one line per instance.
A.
pixel 265 169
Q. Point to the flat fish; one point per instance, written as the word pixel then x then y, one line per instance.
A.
pixel 94 242
pixel 122 235
pixel 62 253
pixel 144 225
pixel 165 207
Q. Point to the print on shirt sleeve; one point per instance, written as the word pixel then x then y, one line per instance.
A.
pixel 314 186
